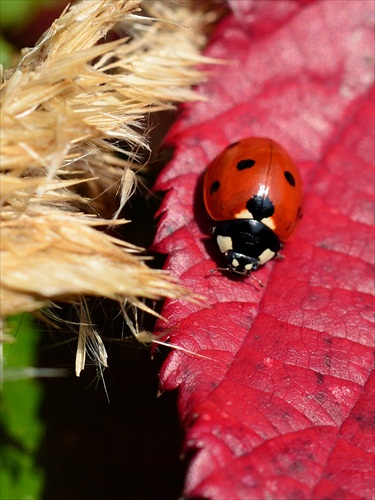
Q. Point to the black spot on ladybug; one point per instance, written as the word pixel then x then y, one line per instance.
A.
pixel 232 145
pixel 244 164
pixel 214 187
pixel 289 177
pixel 260 207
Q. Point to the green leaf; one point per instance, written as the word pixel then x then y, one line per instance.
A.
pixel 20 425
pixel 14 13
pixel 6 51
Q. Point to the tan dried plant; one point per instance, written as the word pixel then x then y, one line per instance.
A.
pixel 70 106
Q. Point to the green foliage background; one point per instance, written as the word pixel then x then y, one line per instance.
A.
pixel 21 428
pixel 14 14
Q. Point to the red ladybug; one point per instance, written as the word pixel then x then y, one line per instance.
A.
pixel 254 189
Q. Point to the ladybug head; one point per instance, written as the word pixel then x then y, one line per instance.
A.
pixel 239 263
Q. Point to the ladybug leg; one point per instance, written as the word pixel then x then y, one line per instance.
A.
pixel 228 269
pixel 278 254
pixel 257 280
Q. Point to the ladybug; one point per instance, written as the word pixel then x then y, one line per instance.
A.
pixel 253 190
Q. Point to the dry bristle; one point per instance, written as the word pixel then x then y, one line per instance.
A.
pixel 66 110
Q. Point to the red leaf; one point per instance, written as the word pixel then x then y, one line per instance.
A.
pixel 285 407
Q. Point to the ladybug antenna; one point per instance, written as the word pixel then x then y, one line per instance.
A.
pixel 212 271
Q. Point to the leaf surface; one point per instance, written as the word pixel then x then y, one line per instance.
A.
pixel 284 406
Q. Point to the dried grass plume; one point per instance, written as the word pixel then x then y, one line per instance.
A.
pixel 69 107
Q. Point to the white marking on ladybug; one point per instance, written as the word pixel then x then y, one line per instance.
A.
pixel 266 256
pixel 248 267
pixel 269 222
pixel 244 214
pixel 225 243
pixel 235 263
